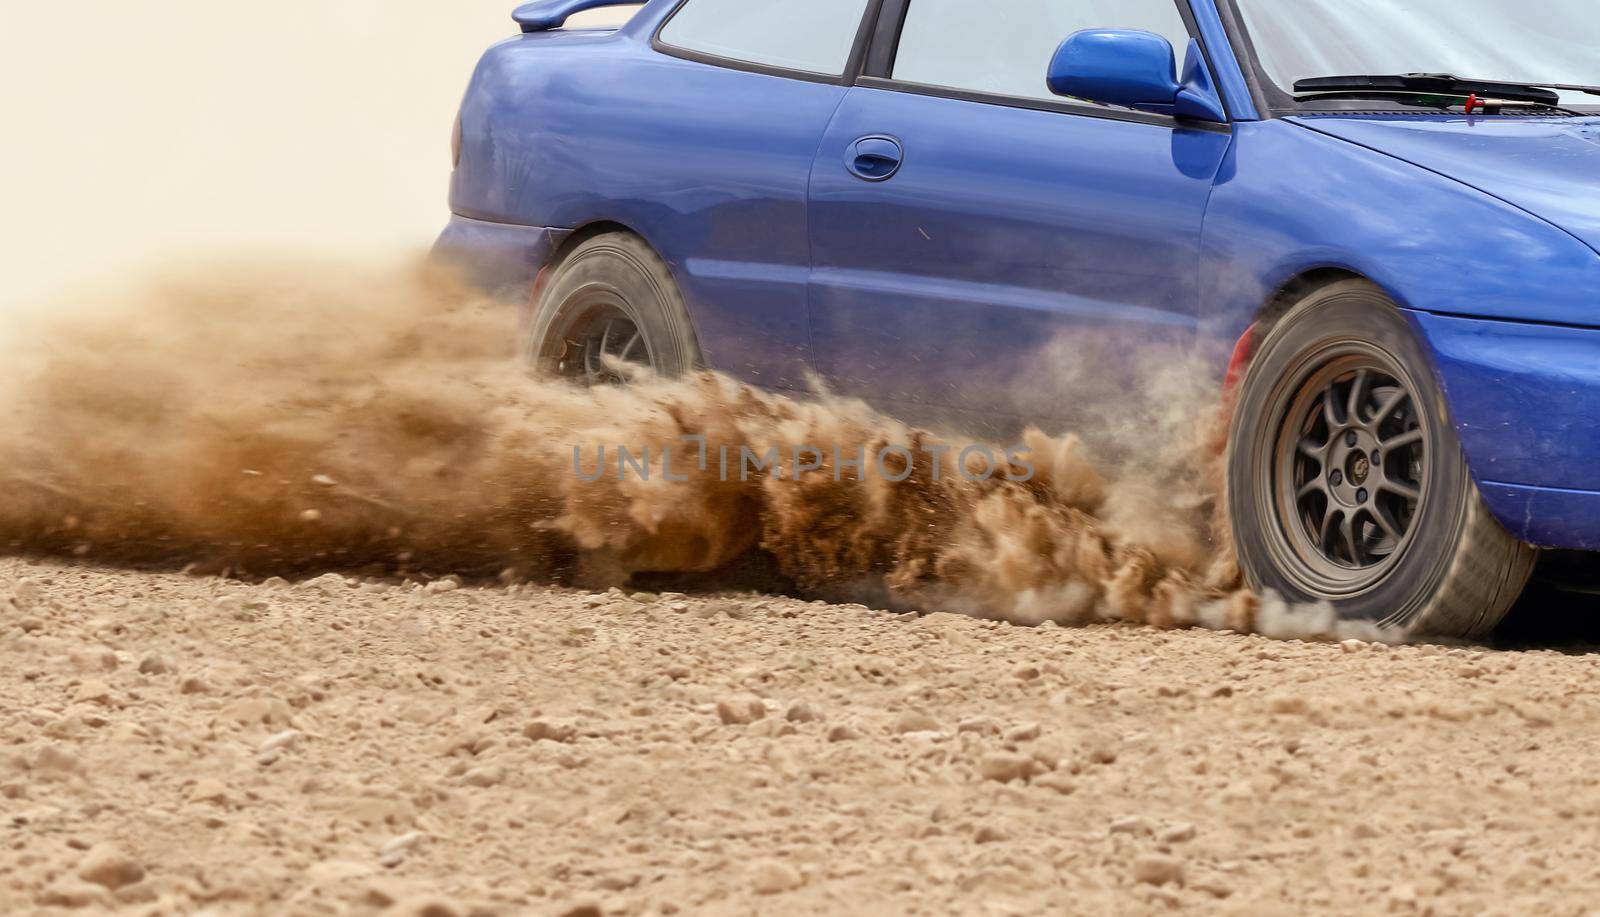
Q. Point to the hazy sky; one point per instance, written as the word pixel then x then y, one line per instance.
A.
pixel 140 134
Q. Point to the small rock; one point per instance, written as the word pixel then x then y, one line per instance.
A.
pixel 485 776
pixel 25 592
pixel 645 598
pixel 914 721
pixel 989 834
pixel 740 711
pixel 842 733
pixel 1177 834
pixel 1004 767
pixel 1158 869
pixel 283 741
pixel 53 759
pixel 1024 733
pixel 208 789
pixel 773 877
pixel 1290 704
pixel 1132 824
pixel 73 894
pixel 981 725
pixel 429 906
pixel 1060 783
pixel 106 865
pixel 548 731
pixel 327 583
pixel 440 587
pixel 153 665
pixel 1353 646
pixel 93 692
pixel 194 684
pixel 1026 673
pixel 801 713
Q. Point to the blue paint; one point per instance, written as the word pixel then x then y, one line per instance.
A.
pixel 544 15
pixel 1134 69
pixel 917 246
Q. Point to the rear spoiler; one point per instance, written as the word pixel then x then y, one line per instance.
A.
pixel 544 15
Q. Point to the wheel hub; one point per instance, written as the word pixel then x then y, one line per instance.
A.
pixel 1351 459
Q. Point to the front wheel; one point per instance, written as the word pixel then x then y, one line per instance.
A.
pixel 1347 485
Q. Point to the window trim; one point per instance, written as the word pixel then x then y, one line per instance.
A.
pixel 852 65
pixel 880 59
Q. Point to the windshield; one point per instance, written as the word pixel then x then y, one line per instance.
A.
pixel 1542 41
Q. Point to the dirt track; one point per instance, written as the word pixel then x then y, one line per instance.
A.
pixel 181 744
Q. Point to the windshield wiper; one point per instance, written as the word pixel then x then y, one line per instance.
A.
pixel 1440 84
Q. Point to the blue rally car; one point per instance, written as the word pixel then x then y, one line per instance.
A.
pixel 1389 212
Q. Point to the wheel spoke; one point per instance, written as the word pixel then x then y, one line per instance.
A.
pixel 1358 395
pixel 1404 440
pixel 1352 540
pixel 1386 521
pixel 1313 486
pixel 605 337
pixel 1389 407
pixel 1330 409
pixel 1330 524
pixel 636 340
pixel 1313 450
pixel 1401 489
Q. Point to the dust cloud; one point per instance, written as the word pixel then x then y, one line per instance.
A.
pixel 283 418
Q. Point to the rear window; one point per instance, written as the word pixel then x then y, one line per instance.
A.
pixel 1005 49
pixel 814 36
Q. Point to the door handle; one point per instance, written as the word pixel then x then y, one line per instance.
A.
pixel 874 158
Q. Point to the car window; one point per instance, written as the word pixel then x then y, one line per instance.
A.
pixel 810 35
pixel 1005 47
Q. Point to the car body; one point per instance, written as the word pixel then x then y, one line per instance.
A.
pixel 1009 220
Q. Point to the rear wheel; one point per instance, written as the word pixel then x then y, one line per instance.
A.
pixel 1347 485
pixel 609 313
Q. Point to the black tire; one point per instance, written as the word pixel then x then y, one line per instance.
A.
pixel 1346 483
pixel 608 307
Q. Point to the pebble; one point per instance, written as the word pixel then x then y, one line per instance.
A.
pixel 108 866
pixel 772 877
pixel 440 587
pixel 843 733
pixel 548 731
pixel 208 789
pixel 989 834
pixel 1291 704
pixel 486 776
pixel 914 721
pixel 93 692
pixel 153 665
pixel 802 713
pixel 740 711
pixel 194 684
pixel 1004 767
pixel 327 583
pixel 1132 824
pixel 1024 733
pixel 981 725
pixel 1177 834
pixel 283 741
pixel 54 759
pixel 1158 869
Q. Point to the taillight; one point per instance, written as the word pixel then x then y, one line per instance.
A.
pixel 455 145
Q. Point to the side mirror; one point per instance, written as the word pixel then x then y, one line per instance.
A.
pixel 1136 70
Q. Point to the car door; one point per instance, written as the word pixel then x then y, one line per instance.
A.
pixel 711 148
pixel 969 231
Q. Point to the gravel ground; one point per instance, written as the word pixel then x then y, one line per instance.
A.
pixel 177 744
